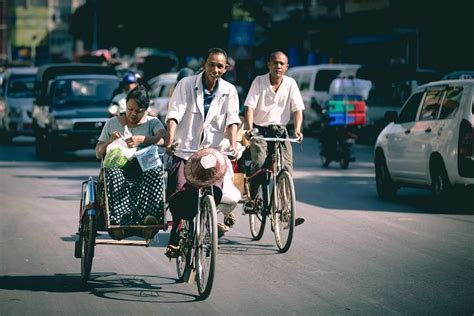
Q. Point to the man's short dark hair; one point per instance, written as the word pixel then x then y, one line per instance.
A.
pixel 215 50
pixel 140 95
pixel 272 55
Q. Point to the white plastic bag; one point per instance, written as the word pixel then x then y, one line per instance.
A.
pixel 118 153
pixel 230 194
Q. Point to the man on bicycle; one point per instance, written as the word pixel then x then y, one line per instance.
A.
pixel 271 100
pixel 203 109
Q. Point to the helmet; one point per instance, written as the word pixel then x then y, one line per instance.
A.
pixel 130 78
pixel 185 72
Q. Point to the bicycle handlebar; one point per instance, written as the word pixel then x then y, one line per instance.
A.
pixel 254 134
pixel 192 151
pixel 277 139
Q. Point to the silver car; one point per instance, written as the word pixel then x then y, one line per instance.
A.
pixel 17 97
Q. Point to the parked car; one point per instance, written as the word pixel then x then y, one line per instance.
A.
pixel 430 143
pixel 76 112
pixel 161 89
pixel 17 97
pixel 313 82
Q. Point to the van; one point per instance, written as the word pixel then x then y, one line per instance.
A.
pixel 16 98
pixel 313 82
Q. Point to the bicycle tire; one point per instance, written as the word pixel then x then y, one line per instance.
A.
pixel 206 246
pixel 258 220
pixel 284 211
pixel 88 236
pixel 183 261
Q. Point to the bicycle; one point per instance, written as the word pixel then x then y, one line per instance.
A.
pixel 280 206
pixel 197 256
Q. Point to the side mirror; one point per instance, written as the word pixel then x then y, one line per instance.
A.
pixel 391 116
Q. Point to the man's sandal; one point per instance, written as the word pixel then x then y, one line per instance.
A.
pixel 172 251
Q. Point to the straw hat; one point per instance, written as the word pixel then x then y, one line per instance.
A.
pixel 205 167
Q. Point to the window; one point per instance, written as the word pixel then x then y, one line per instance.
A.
pixel 324 79
pixel 21 86
pixel 305 81
pixel 431 105
pixel 451 102
pixel 408 113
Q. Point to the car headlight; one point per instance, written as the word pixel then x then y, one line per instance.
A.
pixel 63 124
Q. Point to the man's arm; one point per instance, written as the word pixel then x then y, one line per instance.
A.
pixel 248 118
pixel 172 124
pixel 231 133
pixel 298 121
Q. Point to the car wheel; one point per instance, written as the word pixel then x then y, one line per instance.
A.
pixel 386 188
pixel 5 139
pixel 324 161
pixel 344 163
pixel 44 149
pixel 440 184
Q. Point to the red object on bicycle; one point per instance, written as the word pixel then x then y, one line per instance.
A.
pixel 235 166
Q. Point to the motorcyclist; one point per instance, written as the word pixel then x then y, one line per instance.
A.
pixel 128 83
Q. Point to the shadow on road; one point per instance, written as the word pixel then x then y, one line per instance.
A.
pixel 354 189
pixel 244 246
pixel 133 288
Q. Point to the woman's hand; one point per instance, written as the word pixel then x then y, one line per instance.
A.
pixel 116 135
pixel 135 141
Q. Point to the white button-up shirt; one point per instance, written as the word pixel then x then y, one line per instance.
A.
pixel 186 106
pixel 270 107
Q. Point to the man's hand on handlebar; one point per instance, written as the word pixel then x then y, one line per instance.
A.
pixel 299 136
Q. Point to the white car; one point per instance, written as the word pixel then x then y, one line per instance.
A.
pixel 430 143
pixel 162 87
pixel 16 102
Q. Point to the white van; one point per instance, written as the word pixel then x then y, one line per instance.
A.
pixel 314 82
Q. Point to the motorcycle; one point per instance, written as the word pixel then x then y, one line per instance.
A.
pixel 336 145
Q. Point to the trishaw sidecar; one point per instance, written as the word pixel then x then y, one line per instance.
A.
pixel 94 217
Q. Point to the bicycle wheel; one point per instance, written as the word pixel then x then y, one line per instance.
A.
pixel 185 245
pixel 206 246
pixel 88 235
pixel 284 211
pixel 259 218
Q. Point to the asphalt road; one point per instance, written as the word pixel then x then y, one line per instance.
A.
pixel 355 254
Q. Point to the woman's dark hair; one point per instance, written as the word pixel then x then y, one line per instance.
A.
pixel 140 95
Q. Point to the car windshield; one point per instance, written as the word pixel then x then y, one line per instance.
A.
pixel 85 92
pixel 21 86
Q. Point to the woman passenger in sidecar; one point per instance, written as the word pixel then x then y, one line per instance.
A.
pixel 134 197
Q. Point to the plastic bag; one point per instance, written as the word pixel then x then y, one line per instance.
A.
pixel 230 194
pixel 118 153
pixel 148 157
